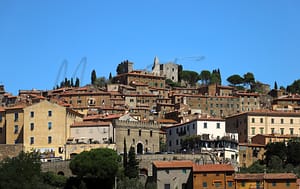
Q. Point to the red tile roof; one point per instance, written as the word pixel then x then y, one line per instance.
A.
pixel 213 168
pixel 267 176
pixel 173 164
pixel 249 176
pixel 280 176
pixel 90 124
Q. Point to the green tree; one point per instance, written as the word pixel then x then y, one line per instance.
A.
pixel 93 77
pixel 256 167
pixel 275 85
pixel 96 166
pixel 131 170
pixel 205 76
pixel 101 82
pixel 249 79
pixel 190 76
pixel 77 82
pixel 22 171
pixel 275 164
pixel 215 77
pixel 294 87
pixel 293 152
pixel 180 69
pixel 276 149
pixel 235 79
pixel 125 155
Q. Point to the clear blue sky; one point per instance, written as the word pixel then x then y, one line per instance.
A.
pixel 236 36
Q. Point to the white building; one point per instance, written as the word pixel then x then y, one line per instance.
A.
pixel 211 135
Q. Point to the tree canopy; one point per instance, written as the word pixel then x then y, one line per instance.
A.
pixel 235 79
pixel 294 87
pixel 99 164
pixel 190 76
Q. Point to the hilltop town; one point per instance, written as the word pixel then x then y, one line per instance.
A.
pixel 185 134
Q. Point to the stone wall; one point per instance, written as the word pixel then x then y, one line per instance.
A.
pixel 10 150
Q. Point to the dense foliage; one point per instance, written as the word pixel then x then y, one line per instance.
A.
pixel 279 157
pixel 97 166
pixel 24 171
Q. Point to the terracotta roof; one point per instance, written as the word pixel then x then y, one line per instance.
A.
pixel 166 121
pixel 279 176
pixel 15 107
pixel 102 117
pixel 173 164
pixel 261 176
pixel 249 176
pixel 212 168
pixel 267 113
pixel 90 124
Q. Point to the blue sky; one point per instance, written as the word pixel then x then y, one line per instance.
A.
pixel 236 36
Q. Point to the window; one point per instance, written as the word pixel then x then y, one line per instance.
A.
pixel 0 118
pixel 288 183
pixel 291 121
pixel 167 186
pixel 16 116
pixel 272 120
pixel 140 132
pixel 184 171
pixel 170 143
pixel 151 133
pixel 281 131
pixel 49 113
pixel 204 184
pixel 291 131
pixel 31 114
pixel 230 183
pixel 31 126
pixel 218 125
pixel 205 125
pixel 170 132
pixel 49 139
pixel 49 125
pixel 253 120
pixel 128 132
pixel 16 129
pixel 243 183
pixel 217 184
pixel 261 120
pixel 31 140
pixel 281 121
pixel 273 183
pixel 253 130
pixel 272 130
pixel 261 130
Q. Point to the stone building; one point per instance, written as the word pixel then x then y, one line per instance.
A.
pixel 143 136
pixel 249 124
pixel 168 70
pixel 140 77
pixel 42 126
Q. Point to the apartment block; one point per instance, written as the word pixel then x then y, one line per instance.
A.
pixel 266 180
pixel 213 176
pixel 42 126
pixel 249 124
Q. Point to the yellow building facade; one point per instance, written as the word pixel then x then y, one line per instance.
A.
pixel 42 127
